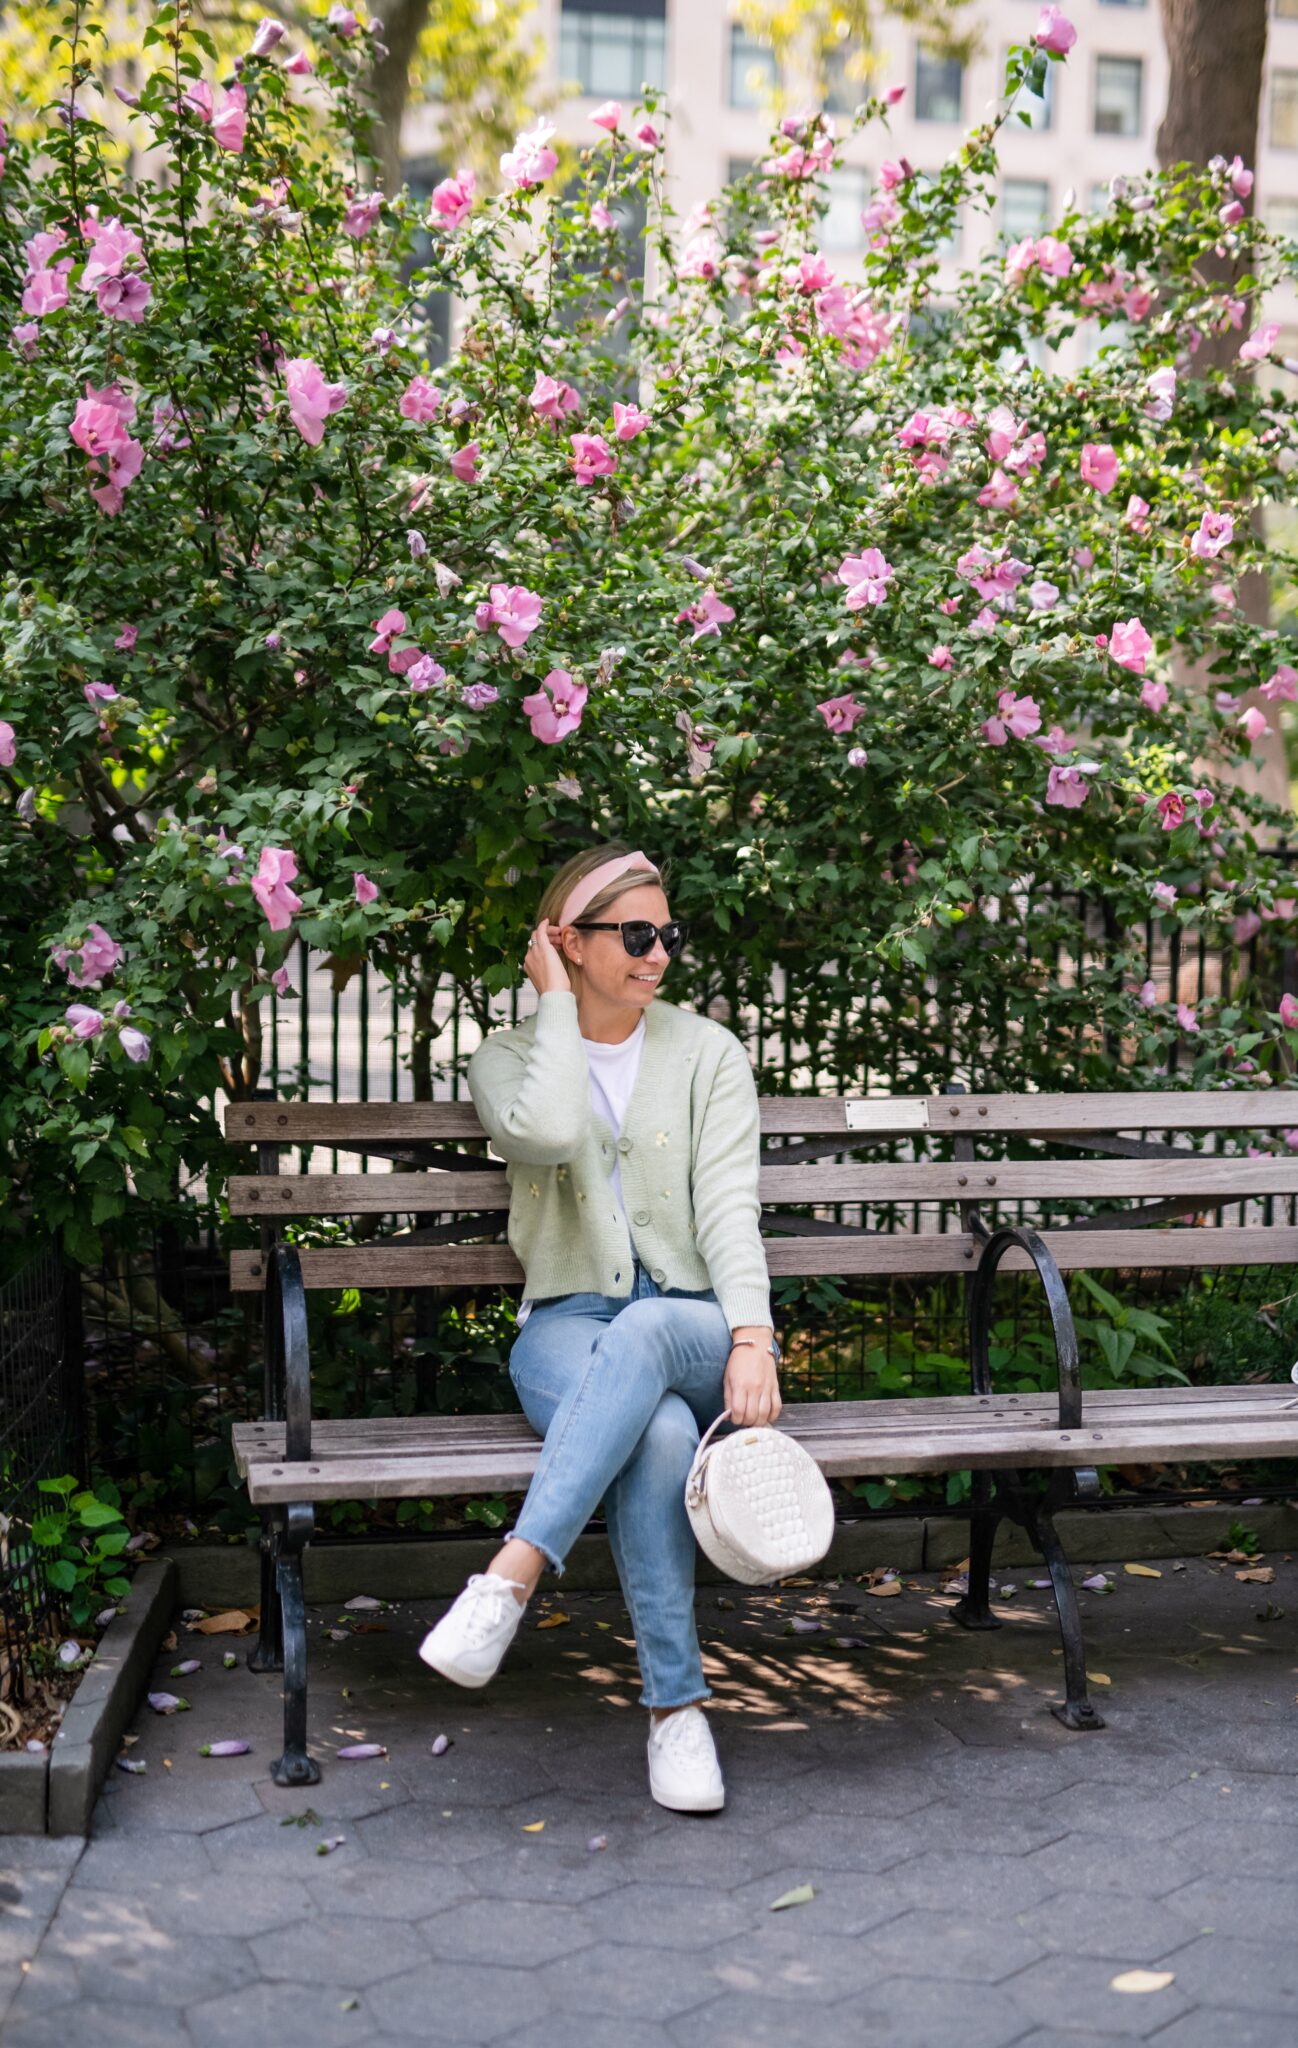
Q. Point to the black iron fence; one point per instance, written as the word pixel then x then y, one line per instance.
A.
pixel 40 1438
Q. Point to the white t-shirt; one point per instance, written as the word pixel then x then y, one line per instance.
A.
pixel 613 1069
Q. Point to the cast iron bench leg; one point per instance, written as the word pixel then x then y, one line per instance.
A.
pixel 294 1767
pixel 268 1652
pixel 1077 1711
pixel 974 1610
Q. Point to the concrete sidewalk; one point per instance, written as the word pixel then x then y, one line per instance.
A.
pixel 980 1875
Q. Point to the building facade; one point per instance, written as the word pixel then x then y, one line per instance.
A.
pixel 1098 119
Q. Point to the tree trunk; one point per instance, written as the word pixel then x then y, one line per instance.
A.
pixel 1213 93
pixel 403 24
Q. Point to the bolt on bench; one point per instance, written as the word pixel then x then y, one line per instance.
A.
pixel 290 1461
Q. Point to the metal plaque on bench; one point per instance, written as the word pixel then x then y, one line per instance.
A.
pixel 885 1113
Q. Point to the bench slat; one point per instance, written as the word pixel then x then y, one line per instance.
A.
pixel 859 1253
pixel 334 1123
pixel 976 1447
pixel 415 1436
pixel 1077 1180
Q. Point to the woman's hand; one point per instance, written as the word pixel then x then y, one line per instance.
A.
pixel 543 964
pixel 751 1388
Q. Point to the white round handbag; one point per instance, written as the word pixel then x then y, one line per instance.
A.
pixel 758 1503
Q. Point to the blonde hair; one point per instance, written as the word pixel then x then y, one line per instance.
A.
pixel 584 863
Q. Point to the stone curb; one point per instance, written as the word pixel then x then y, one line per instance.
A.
pixel 23 1779
pixel 105 1701
pixel 214 1575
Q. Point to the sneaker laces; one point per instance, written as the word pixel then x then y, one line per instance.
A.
pixel 688 1734
pixel 491 1600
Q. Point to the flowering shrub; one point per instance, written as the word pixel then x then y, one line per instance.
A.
pixel 822 586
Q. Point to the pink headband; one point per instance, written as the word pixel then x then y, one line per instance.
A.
pixel 585 891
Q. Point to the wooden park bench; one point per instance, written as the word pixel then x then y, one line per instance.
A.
pixel 290 1461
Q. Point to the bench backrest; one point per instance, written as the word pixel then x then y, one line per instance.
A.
pixel 437 1178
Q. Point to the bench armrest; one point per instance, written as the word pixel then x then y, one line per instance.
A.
pixel 287 1354
pixel 1061 1317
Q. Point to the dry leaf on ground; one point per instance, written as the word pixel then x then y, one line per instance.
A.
pixel 1257 1575
pixel 554 1621
pixel 1100 1678
pixel 1142 1571
pixel 1142 1980
pixel 232 1621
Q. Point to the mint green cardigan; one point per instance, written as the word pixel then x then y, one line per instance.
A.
pixel 689 1152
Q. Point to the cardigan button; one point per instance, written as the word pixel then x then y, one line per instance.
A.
pixel 624 1144
pixel 642 1216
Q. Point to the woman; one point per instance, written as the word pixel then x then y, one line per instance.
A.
pixel 632 1135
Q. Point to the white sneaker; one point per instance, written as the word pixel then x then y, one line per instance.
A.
pixel 473 1635
pixel 683 1768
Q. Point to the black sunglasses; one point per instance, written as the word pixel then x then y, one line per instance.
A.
pixel 638 934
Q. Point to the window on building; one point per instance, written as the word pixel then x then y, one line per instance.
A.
pixel 1284 110
pixel 1281 214
pixel 433 311
pixel 1040 108
pixel 753 72
pixel 843 91
pixel 1101 198
pixel 950 246
pixel 1122 3
pixel 938 83
pixel 1025 206
pixel 614 47
pixel 849 189
pixel 1118 89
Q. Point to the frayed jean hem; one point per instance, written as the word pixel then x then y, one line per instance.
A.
pixel 699 1694
pixel 552 1559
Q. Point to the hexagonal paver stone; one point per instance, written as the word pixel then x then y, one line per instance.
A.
pixel 289 2015
pixel 965 1885
pixel 332 1948
pixel 585 2031
pixel 746 2019
pixel 467 2003
pixel 792 1959
pixel 554 1875
pixel 96 2023
pixel 530 1932
pixel 284 1856
pixel 1207 2027
pixel 122 1949
pixel 224 1903
pixel 1060 1989
pixel 1249 1976
pixel 1111 1810
pixel 888 1794
pixel 1105 1923
pixel 665 1916
pixel 152 1803
pixel 975 1951
pixel 1089 1863
pixel 843 1841
pixel 616 1981
pixel 924 2009
pixel 114 1861
pixel 1247 1847
pixel 1259 1907
pixel 397 1891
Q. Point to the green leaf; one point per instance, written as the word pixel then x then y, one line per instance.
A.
pixel 801 1895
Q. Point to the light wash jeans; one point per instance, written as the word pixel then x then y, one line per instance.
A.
pixel 621 1391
